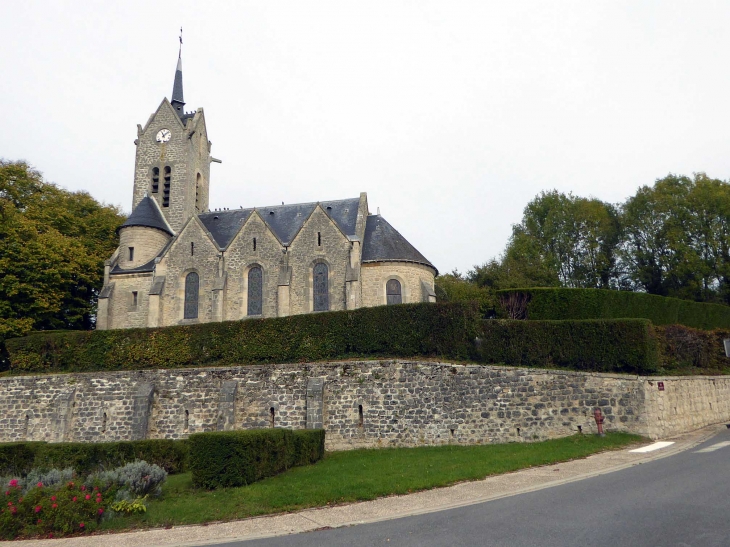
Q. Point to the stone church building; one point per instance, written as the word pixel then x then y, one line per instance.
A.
pixel 180 263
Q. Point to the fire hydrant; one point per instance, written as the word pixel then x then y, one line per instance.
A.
pixel 598 416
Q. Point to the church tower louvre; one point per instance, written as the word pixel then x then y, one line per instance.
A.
pixel 172 163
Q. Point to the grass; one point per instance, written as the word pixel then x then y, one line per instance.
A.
pixel 359 475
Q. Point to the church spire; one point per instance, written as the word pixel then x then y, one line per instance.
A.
pixel 177 89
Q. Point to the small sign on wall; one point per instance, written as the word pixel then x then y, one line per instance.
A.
pixel 660 385
pixel 726 341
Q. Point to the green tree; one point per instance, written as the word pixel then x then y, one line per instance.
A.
pixel 53 244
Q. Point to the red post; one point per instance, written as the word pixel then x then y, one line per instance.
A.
pixel 598 416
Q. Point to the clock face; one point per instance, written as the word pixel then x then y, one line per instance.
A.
pixel 163 135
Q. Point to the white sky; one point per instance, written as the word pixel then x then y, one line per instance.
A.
pixel 452 115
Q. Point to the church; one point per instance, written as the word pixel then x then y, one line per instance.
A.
pixel 180 263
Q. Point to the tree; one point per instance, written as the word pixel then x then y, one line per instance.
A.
pixel 53 244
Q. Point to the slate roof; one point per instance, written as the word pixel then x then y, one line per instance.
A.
pixel 147 214
pixel 383 243
pixel 284 220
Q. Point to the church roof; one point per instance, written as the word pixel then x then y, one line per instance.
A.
pixel 383 243
pixel 284 220
pixel 147 214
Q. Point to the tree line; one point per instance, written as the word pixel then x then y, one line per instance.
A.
pixel 53 244
pixel 670 239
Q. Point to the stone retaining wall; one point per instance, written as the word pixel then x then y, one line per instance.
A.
pixel 359 403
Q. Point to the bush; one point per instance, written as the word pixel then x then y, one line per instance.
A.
pixel 558 304
pixel 623 345
pixel 440 330
pixel 138 478
pixel 691 351
pixel 18 459
pixel 47 478
pixel 237 458
pixel 62 510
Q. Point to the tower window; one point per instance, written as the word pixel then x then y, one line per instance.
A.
pixel 393 292
pixel 134 299
pixel 192 289
pixel 319 239
pixel 255 291
pixel 272 417
pixel 254 244
pixel 131 254
pixel 192 248
pixel 197 192
pixel 155 180
pixel 166 187
pixel 321 287
pixel 359 416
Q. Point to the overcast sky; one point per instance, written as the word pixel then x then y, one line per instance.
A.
pixel 451 115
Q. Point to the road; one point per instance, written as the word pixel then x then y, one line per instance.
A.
pixel 682 500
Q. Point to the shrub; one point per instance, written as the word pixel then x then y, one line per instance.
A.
pixel 557 304
pixel 138 478
pixel 395 331
pixel 691 351
pixel 236 458
pixel 49 478
pixel 18 459
pixel 612 345
pixel 62 510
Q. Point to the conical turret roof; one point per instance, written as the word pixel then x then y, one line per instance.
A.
pixel 147 214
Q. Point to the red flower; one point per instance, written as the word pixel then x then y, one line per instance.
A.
pixel 39 485
pixel 81 524
pixel 7 493
pixel 96 488
pixel 101 510
pixel 38 508
pixel 74 499
pixel 70 484
pixel 53 498
pixel 13 510
pixel 88 497
pixel 83 487
pixel 20 500
pixel 10 503
pixel 13 483
pixel 39 521
pixel 50 535
pixel 54 506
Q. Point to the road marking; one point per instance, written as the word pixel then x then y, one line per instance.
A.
pixel 714 447
pixel 653 447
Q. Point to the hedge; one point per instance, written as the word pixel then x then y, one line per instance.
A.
pixel 236 458
pixel 690 351
pixel 555 304
pixel 442 330
pixel 19 458
pixel 611 345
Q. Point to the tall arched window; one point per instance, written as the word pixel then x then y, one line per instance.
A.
pixel 321 287
pixel 255 290
pixel 393 292
pixel 192 289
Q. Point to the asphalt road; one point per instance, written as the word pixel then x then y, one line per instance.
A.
pixel 682 500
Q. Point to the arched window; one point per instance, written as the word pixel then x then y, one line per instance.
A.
pixel 166 187
pixel 393 292
pixel 155 180
pixel 321 287
pixel 192 288
pixel 255 290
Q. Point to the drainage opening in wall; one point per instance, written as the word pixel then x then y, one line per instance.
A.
pixel 580 429
pixel 271 416
pixel 452 433
pixel 518 431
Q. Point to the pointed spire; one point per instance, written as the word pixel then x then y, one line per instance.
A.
pixel 178 102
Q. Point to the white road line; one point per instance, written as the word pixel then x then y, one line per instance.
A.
pixel 714 447
pixel 653 447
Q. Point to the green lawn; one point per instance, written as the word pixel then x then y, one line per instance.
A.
pixel 359 475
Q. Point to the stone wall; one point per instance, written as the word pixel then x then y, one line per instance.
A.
pixel 359 403
pixel 412 277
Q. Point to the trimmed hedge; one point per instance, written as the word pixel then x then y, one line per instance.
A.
pixel 236 458
pixel 557 304
pixel 440 330
pixel 690 351
pixel 85 458
pixel 610 345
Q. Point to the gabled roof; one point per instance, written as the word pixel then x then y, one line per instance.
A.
pixel 383 243
pixel 148 214
pixel 285 221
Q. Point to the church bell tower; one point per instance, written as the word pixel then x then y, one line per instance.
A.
pixel 172 163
